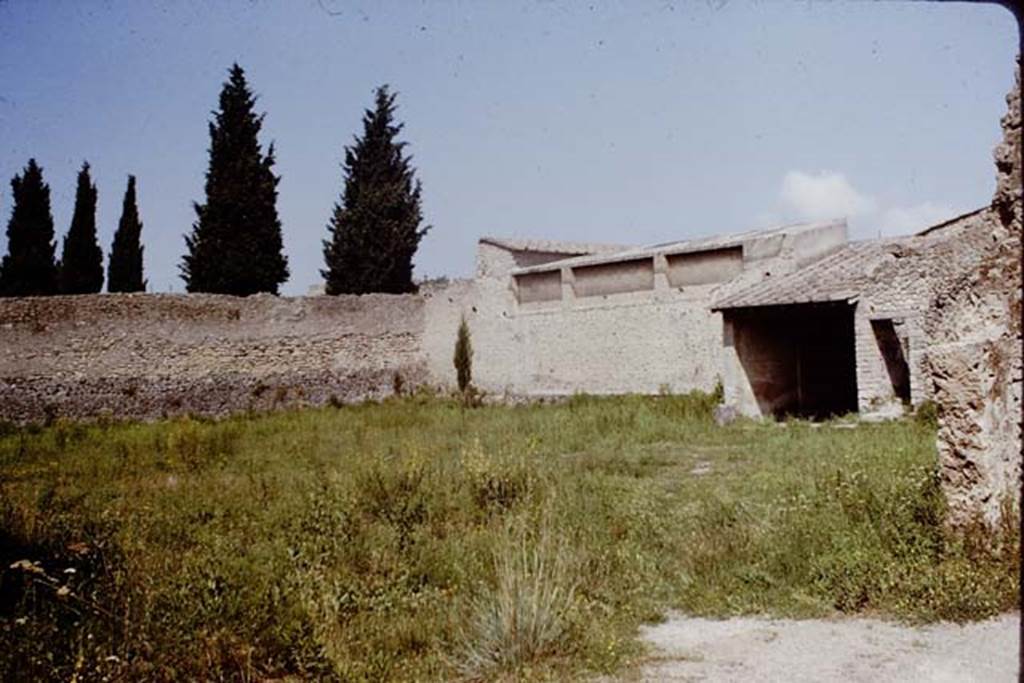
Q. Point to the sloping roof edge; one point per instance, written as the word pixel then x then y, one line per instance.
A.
pixel 939 226
pixel 709 243
pixel 553 246
pixel 810 300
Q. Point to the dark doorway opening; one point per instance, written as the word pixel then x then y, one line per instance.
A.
pixel 799 359
pixel 892 346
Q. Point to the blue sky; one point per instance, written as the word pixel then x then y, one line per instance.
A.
pixel 628 122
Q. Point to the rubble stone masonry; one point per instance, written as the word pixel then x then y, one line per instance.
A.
pixel 150 355
pixel 974 357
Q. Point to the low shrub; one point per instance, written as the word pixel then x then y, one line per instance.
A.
pixel 927 414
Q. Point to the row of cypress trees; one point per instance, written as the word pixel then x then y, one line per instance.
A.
pixel 30 267
pixel 235 246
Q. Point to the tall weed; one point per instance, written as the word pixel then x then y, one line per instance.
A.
pixel 525 614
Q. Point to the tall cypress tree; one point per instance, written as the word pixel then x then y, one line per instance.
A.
pixel 124 271
pixel 235 246
pixel 29 267
pixel 81 262
pixel 375 229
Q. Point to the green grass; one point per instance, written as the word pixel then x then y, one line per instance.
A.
pixel 420 540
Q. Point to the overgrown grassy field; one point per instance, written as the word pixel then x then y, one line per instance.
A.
pixel 420 540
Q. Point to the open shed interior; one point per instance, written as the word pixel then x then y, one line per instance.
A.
pixel 798 359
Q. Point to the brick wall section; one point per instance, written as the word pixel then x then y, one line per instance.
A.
pixel 149 355
pixel 901 286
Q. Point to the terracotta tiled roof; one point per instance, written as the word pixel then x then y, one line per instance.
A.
pixel 838 277
pixel 842 275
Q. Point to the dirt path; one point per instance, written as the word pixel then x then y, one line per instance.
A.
pixel 755 649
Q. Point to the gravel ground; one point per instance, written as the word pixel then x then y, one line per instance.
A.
pixel 756 649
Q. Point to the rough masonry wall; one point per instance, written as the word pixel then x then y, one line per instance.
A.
pixel 149 355
pixel 975 355
pixel 903 285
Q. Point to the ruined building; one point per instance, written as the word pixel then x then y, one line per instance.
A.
pixel 792 320
pixel 554 319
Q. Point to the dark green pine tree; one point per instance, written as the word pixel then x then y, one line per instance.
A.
pixel 81 261
pixel 29 267
pixel 375 228
pixel 235 246
pixel 463 358
pixel 124 271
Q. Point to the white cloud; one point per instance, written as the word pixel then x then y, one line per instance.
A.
pixel 899 220
pixel 827 194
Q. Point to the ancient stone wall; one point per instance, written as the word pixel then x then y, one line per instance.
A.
pixel 636 320
pixel 902 283
pixel 974 357
pixel 620 343
pixel 148 355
